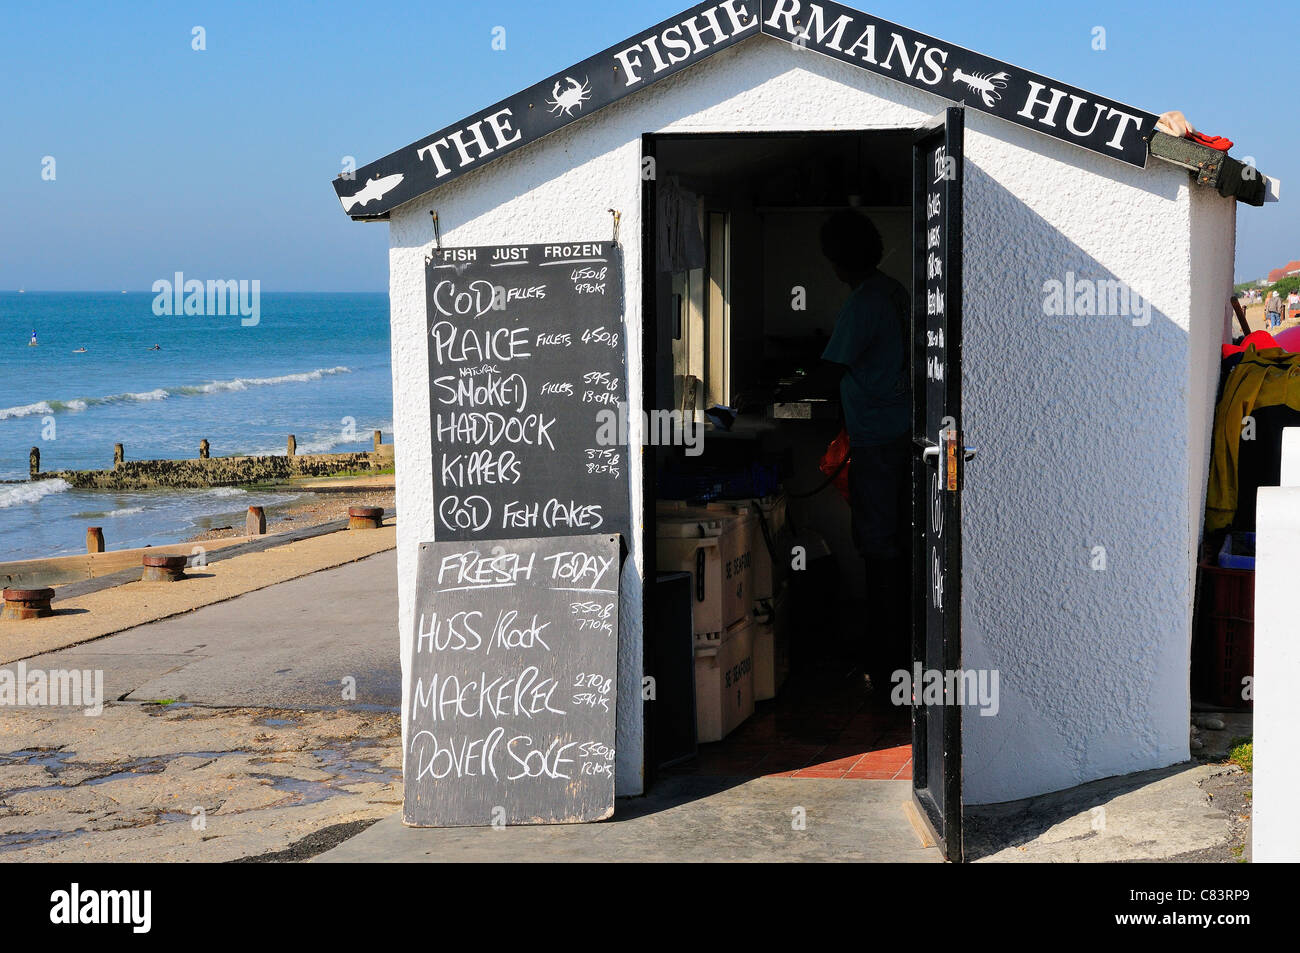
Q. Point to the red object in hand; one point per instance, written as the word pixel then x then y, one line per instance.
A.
pixel 837 457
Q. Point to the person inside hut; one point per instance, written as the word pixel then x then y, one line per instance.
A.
pixel 868 354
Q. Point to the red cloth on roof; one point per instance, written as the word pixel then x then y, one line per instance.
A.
pixel 1214 142
pixel 1260 340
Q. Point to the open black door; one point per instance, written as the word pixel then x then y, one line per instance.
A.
pixel 937 471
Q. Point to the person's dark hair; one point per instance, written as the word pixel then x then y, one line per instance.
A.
pixel 850 240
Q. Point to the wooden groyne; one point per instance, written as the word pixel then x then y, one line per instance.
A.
pixel 207 471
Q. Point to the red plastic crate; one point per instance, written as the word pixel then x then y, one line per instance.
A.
pixel 1225 635
pixel 1228 592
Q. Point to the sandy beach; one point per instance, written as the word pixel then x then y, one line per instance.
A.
pixel 310 511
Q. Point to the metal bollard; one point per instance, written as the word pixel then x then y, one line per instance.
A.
pixel 161 568
pixel 365 517
pixel 22 604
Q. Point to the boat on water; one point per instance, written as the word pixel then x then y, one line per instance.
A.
pixel 80 350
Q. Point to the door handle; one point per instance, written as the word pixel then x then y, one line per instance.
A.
pixel 931 454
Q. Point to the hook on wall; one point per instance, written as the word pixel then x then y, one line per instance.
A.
pixel 437 231
pixel 617 216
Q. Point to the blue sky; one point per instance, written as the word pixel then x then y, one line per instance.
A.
pixel 218 163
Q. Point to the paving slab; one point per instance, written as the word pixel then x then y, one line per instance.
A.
pixel 93 615
pixel 683 819
pixel 288 646
pixel 1150 815
pixel 180 783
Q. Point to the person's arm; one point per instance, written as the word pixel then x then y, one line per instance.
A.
pixel 850 339
pixel 823 380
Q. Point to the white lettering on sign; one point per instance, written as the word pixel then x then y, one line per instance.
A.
pixel 676 44
pixel 959 75
pixel 1046 116
pixel 522 360
pixel 468 145
pixel 513 682
pixel 454 345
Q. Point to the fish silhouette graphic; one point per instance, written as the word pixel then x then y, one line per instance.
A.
pixel 374 189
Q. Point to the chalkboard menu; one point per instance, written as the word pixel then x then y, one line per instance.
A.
pixel 513 672
pixel 528 390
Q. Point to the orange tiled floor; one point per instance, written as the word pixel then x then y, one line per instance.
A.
pixel 824 724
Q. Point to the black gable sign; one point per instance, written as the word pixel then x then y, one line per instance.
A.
pixel 555 102
pixel 979 82
pixel 971 79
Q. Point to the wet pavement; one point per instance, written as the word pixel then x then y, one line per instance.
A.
pixel 240 730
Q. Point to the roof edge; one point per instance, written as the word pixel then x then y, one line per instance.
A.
pixel 951 72
pixel 1217 170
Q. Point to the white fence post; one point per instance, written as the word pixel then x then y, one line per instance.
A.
pixel 1275 835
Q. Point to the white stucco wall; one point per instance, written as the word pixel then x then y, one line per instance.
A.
pixel 1093 436
pixel 1083 423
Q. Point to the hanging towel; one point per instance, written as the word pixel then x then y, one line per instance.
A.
pixel 679 246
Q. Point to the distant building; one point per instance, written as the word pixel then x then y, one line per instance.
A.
pixel 1289 270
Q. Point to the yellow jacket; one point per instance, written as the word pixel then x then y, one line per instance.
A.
pixel 1267 378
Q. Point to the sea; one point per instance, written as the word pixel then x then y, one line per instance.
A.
pixel 314 365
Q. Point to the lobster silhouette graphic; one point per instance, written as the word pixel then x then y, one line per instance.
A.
pixel 988 86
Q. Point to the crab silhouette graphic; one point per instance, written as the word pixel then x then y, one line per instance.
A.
pixel 570 98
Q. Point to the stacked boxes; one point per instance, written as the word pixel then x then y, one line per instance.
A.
pixel 724 683
pixel 772 627
pixel 714 545
pixel 771 599
pixel 771 547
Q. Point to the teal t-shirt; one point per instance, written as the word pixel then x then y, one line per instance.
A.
pixel 870 339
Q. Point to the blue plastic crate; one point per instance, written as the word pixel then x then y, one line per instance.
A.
pixel 1238 551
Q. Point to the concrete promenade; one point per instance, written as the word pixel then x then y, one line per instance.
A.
pixel 254 714
pixel 253 711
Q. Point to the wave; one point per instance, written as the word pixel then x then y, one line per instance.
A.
pixel 243 383
pixel 327 443
pixel 222 491
pixel 188 390
pixel 128 511
pixel 18 493
pixel 43 407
